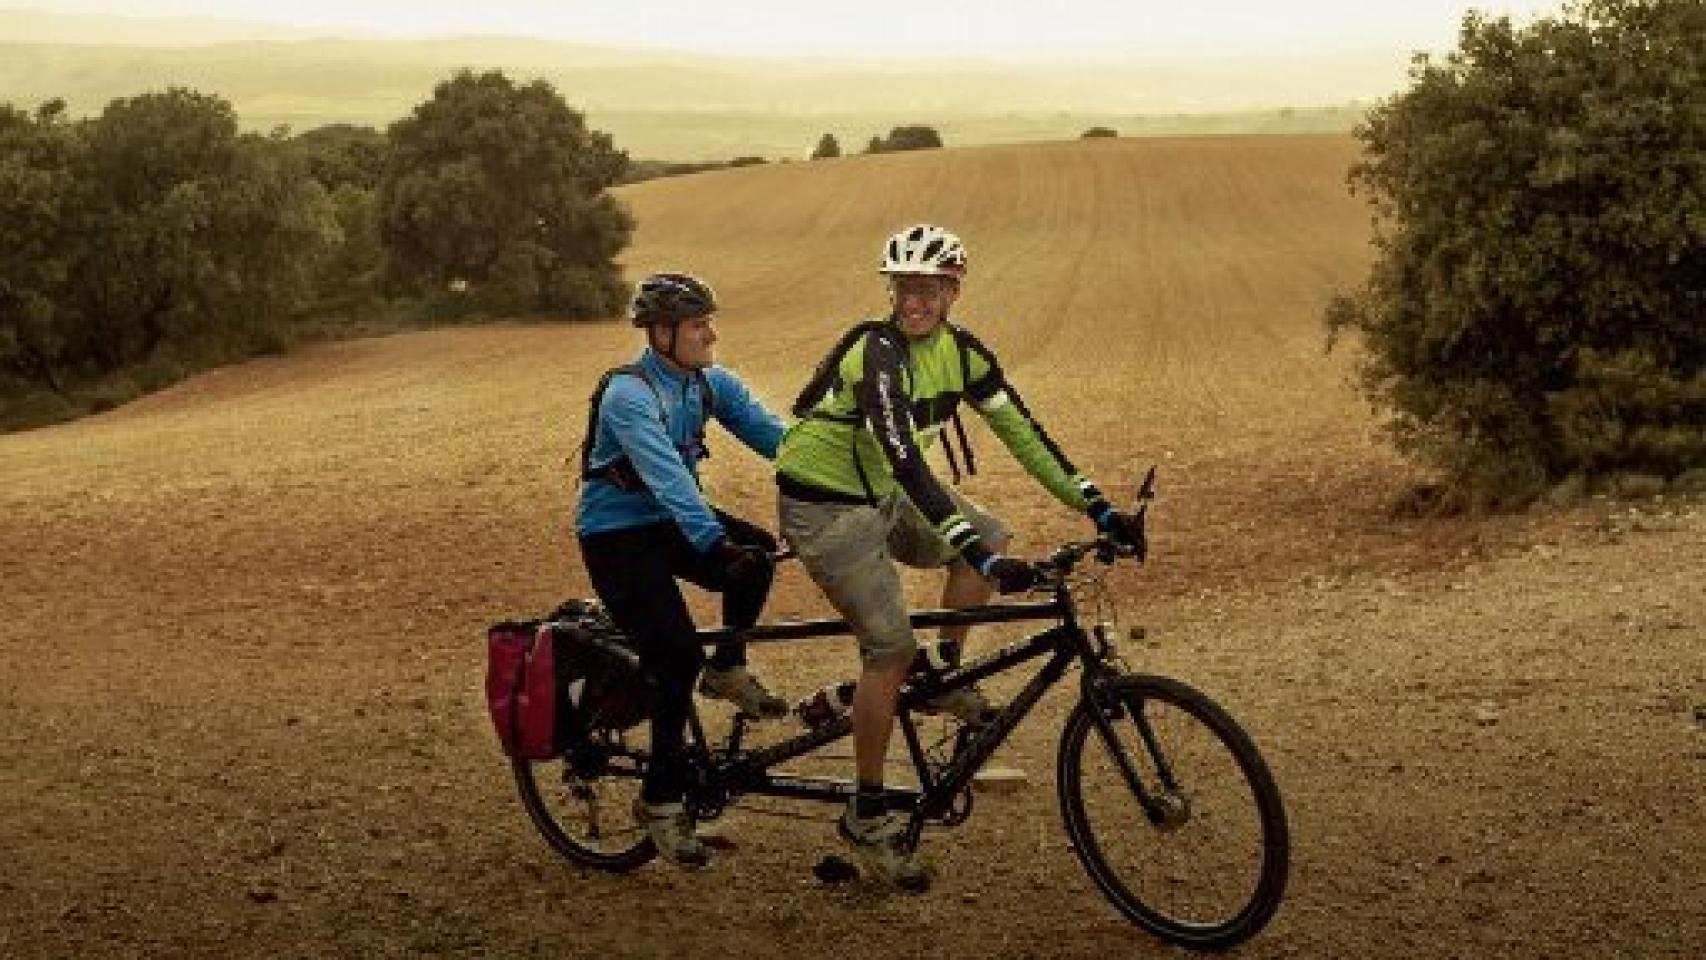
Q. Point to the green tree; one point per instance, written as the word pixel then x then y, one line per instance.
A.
pixel 349 282
pixel 828 148
pixel 1535 309
pixel 912 137
pixel 341 153
pixel 505 188
pixel 36 157
pixel 348 161
pixel 154 234
pixel 194 238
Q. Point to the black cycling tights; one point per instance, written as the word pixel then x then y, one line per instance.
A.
pixel 634 572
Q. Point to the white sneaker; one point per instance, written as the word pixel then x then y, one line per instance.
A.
pixel 966 704
pixel 878 843
pixel 741 687
pixel 671 829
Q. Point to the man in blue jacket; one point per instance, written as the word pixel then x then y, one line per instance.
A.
pixel 643 521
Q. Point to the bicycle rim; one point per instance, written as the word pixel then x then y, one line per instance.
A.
pixel 585 811
pixel 1211 873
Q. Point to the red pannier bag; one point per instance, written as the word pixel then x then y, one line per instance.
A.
pixel 521 687
pixel 553 683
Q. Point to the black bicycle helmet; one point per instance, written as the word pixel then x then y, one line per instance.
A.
pixel 671 298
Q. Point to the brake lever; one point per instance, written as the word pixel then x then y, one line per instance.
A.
pixel 1146 490
pixel 1145 493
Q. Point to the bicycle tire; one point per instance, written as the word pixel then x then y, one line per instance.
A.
pixel 584 812
pixel 1205 808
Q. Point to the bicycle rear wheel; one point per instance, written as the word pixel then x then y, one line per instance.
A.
pixel 1204 864
pixel 583 804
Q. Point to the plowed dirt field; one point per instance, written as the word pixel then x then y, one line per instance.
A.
pixel 241 655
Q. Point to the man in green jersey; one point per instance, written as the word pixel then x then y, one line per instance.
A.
pixel 856 494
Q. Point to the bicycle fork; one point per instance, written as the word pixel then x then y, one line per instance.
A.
pixel 1166 809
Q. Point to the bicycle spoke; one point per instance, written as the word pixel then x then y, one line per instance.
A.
pixel 588 816
pixel 1200 866
pixel 1205 864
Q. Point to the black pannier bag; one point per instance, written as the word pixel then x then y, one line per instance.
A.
pixel 553 683
pixel 600 683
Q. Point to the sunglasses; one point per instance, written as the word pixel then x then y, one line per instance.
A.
pixel 926 288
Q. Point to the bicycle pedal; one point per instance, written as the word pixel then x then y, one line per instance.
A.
pixel 714 834
pixel 999 779
pixel 749 718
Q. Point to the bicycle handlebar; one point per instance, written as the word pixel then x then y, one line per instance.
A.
pixel 1061 562
pixel 1104 549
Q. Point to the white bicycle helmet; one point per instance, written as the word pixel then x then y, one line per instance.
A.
pixel 924 250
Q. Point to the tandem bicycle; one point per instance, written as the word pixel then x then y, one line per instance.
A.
pixel 1166 802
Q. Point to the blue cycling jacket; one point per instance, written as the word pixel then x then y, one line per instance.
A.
pixel 629 424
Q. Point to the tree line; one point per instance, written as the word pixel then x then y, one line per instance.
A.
pixel 914 136
pixel 156 238
pixel 1532 323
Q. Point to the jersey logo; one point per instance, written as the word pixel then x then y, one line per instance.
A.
pixel 891 415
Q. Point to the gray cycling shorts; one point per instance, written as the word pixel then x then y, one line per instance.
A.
pixel 850 549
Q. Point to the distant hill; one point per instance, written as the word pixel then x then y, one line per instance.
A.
pixel 47 26
pixel 673 105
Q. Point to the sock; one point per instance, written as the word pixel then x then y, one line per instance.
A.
pixel 868 802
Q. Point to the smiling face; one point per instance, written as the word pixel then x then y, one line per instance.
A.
pixel 694 344
pixel 921 303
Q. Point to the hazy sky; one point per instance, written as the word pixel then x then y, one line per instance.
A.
pixel 881 28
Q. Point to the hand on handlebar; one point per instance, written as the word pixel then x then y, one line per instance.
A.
pixel 1012 575
pixel 1124 529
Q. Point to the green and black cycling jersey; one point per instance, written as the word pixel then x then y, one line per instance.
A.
pixel 890 397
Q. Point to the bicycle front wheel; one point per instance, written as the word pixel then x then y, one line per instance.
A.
pixel 1173 813
pixel 583 805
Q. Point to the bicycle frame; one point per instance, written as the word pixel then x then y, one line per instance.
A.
pixel 728 771
pixel 1114 704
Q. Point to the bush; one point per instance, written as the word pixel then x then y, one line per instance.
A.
pixel 1534 312
pixel 1096 133
pixel 641 170
pixel 913 137
pixel 828 148
pixel 342 154
pixel 348 282
pixel 153 230
pixel 502 186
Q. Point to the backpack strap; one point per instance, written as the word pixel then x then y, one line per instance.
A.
pixel 708 409
pixel 960 340
pixel 620 472
pixel 611 472
pixel 959 425
pixel 828 372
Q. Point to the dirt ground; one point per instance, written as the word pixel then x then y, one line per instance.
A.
pixel 251 724
pixel 241 656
